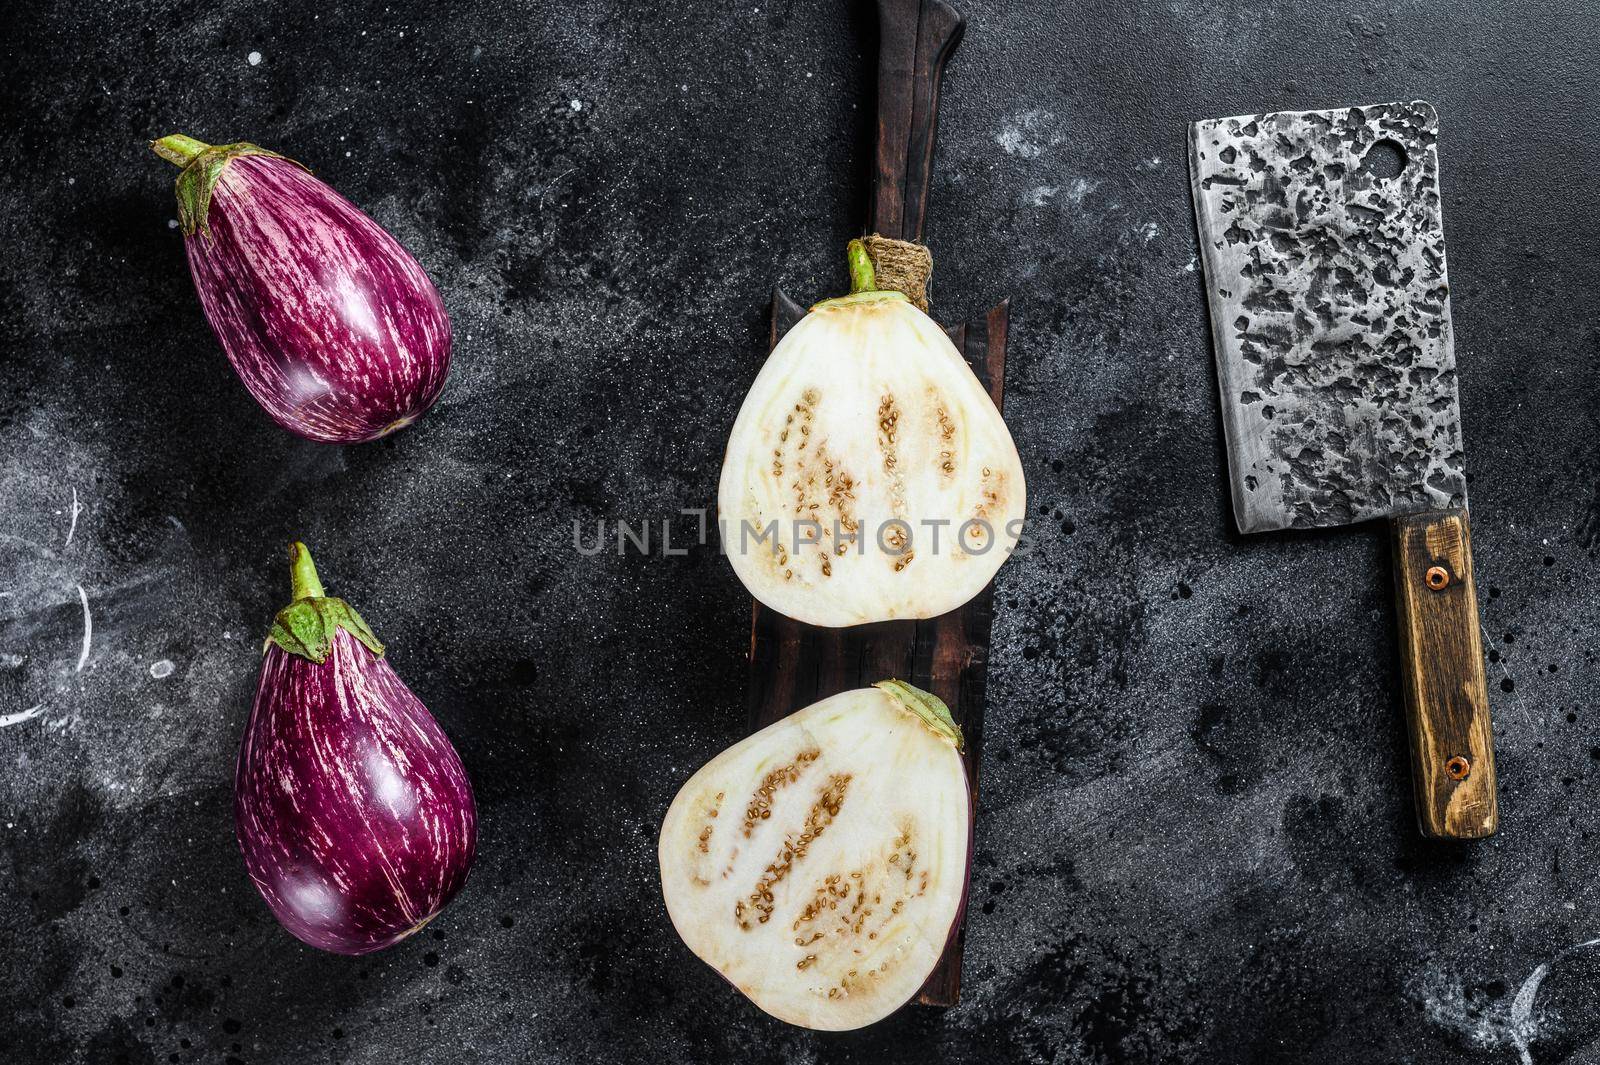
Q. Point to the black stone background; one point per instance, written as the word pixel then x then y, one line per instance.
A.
pixel 1194 843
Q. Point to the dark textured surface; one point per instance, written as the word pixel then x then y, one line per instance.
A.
pixel 1330 312
pixel 1194 841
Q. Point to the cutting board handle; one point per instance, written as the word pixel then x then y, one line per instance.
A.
pixel 915 39
pixel 1441 666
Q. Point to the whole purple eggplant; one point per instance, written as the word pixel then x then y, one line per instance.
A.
pixel 353 811
pixel 333 327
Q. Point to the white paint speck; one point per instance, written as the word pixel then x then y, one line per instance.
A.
pixel 163 669
pixel 254 59
pixel 76 510
pixel 7 720
pixel 88 630
pixel 1013 142
pixel 576 105
pixel 1524 1030
pixel 1079 189
pixel 1027 135
pixel 172 223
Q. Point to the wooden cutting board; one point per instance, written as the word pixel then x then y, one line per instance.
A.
pixel 793 665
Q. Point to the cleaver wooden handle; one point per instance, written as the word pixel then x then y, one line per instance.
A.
pixel 915 37
pixel 1441 667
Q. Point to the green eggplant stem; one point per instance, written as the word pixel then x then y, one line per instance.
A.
pixel 862 276
pixel 178 149
pixel 201 166
pixel 863 281
pixel 307 626
pixel 303 573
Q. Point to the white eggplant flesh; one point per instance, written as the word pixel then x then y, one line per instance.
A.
pixel 893 483
pixel 821 864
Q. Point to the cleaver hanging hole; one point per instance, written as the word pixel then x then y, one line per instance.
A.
pixel 1385 159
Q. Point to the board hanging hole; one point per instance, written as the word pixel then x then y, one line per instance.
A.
pixel 1438 578
pixel 1385 159
pixel 1458 768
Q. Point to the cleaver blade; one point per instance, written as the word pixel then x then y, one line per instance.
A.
pixel 1330 313
pixel 1322 240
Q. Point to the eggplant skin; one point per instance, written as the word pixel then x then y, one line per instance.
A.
pixel 335 330
pixel 353 810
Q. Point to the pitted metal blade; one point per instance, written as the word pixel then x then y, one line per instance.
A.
pixel 1330 313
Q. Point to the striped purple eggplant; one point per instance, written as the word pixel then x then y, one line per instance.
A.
pixel 353 811
pixel 333 327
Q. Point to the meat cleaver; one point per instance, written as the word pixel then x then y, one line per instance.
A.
pixel 1322 243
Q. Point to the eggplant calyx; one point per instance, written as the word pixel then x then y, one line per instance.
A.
pixel 863 282
pixel 929 708
pixel 306 627
pixel 203 165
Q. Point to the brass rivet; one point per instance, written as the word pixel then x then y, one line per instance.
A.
pixel 1437 577
pixel 1458 768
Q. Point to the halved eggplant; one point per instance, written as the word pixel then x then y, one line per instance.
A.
pixel 869 476
pixel 820 865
